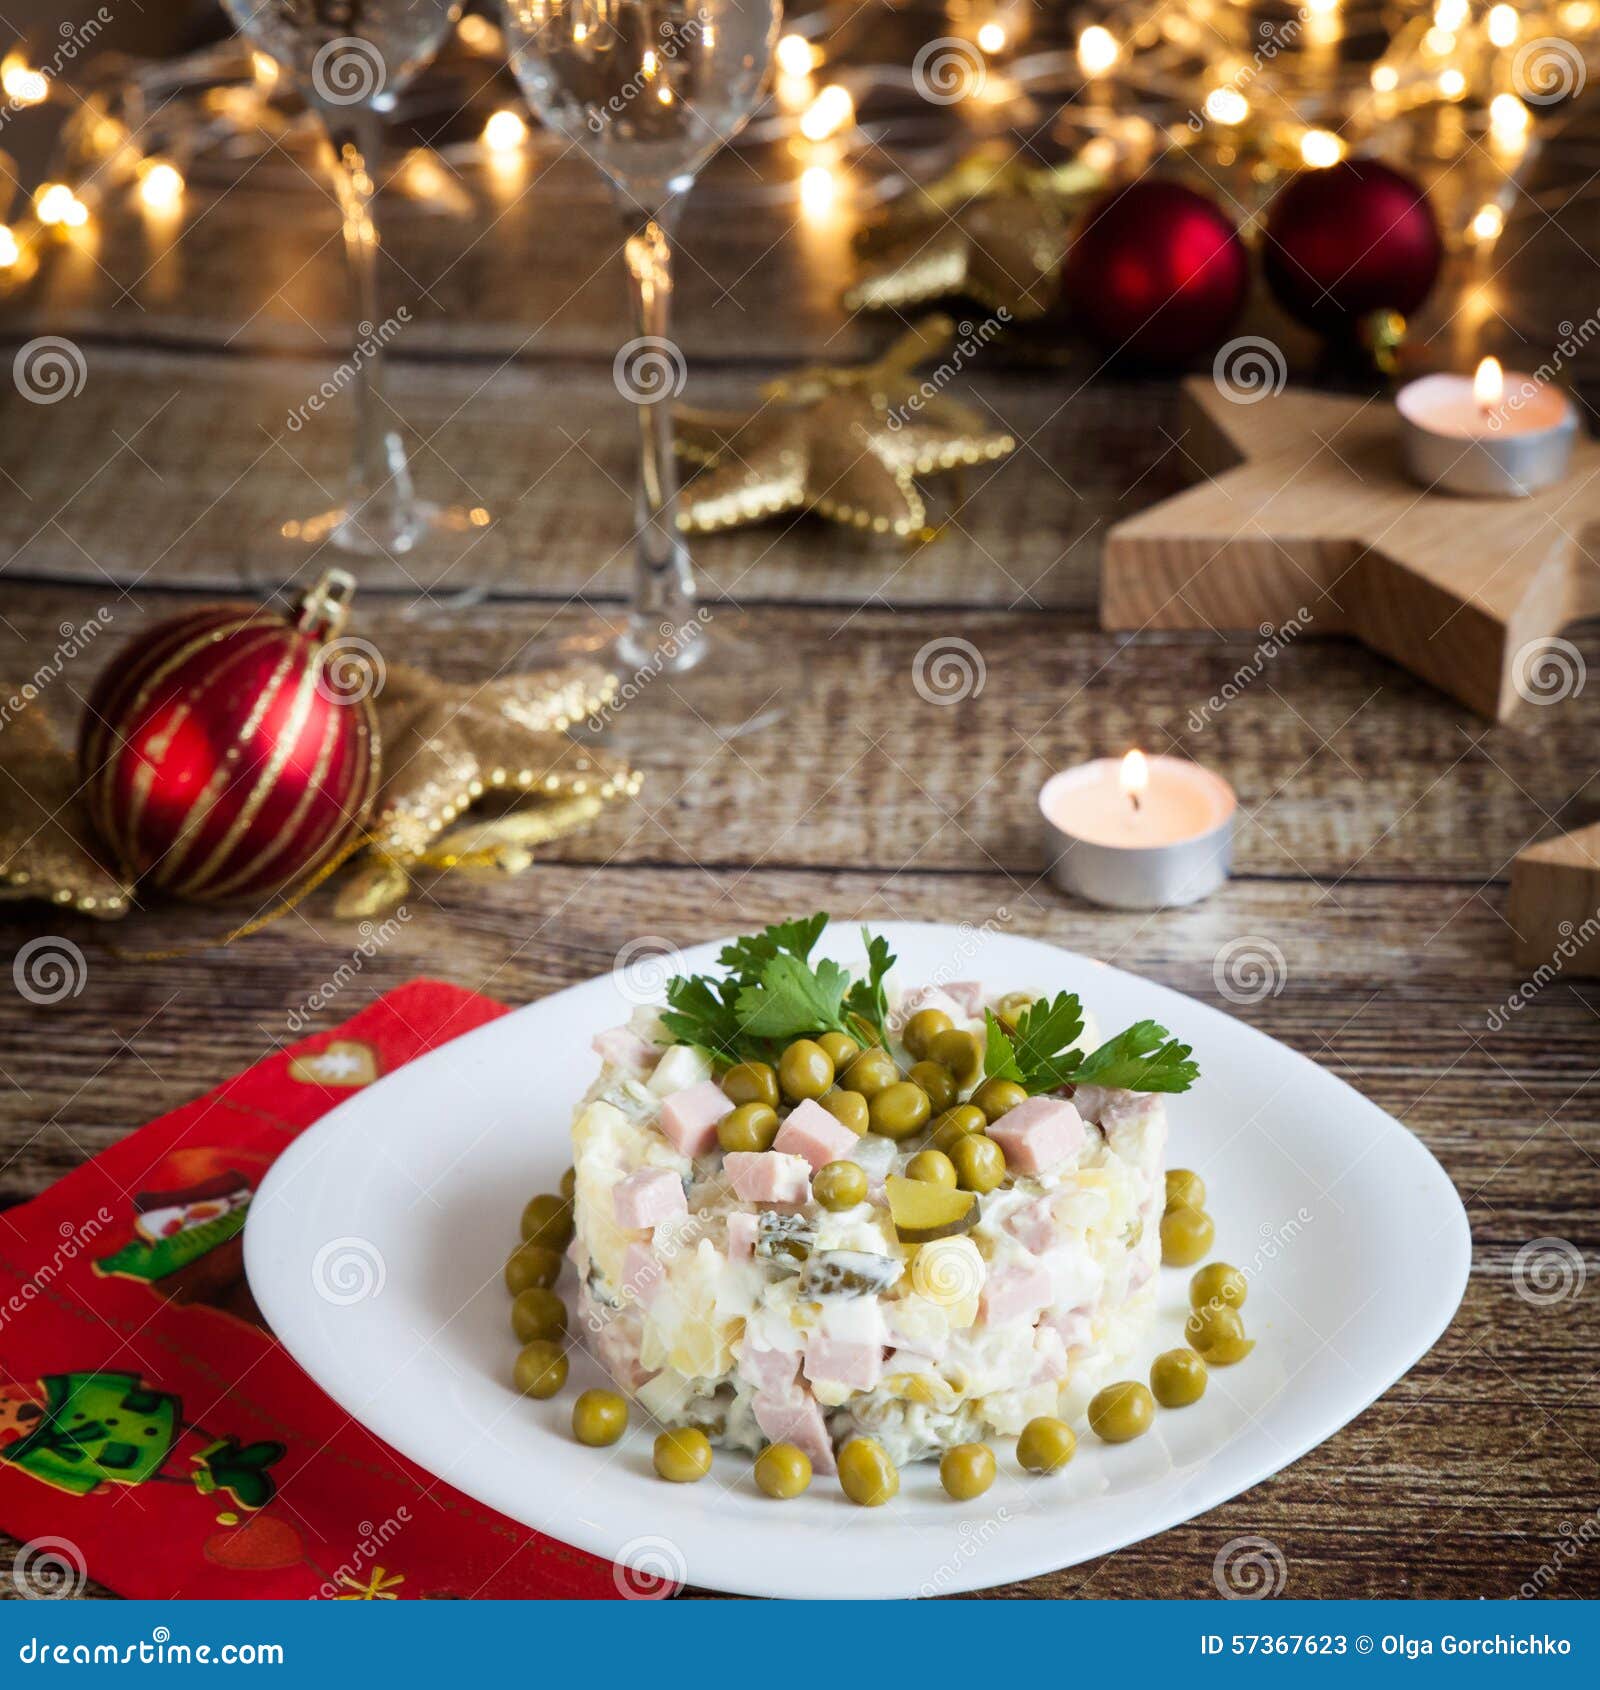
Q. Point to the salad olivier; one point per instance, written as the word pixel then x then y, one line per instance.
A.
pixel 843 1225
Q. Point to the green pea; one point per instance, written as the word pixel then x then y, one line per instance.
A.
pixel 1216 1282
pixel 938 1082
pixel 547 1220
pixel 1185 1186
pixel 540 1370
pixel 960 1052
pixel 995 1097
pixel 599 1418
pixel 848 1108
pixel 804 1070
pixel 842 1051
pixel 1046 1445
pixel 839 1185
pixel 960 1122
pixel 966 1471
pixel 922 1029
pixel 980 1163
pixel 750 1126
pixel 531 1264
pixel 1217 1332
pixel 1178 1378
pixel 682 1455
pixel 871 1072
pixel 866 1474
pixel 783 1471
pixel 899 1110
pixel 933 1166
pixel 537 1313
pixel 751 1082
pixel 1186 1235
pixel 569 1185
pixel 1122 1412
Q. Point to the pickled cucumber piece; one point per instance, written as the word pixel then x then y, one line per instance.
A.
pixel 922 1211
pixel 848 1273
pixel 785 1240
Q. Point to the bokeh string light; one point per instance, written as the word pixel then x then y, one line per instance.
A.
pixel 1241 90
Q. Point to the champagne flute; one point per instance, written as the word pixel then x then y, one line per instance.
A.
pixel 349 59
pixel 649 90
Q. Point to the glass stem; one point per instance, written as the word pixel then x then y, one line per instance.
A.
pixel 380 494
pixel 663 628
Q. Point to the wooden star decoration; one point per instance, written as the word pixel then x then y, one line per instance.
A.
pixel 446 745
pixel 1555 892
pixel 46 848
pixel 847 443
pixel 993 229
pixel 1307 509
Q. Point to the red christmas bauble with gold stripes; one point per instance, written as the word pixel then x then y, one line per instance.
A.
pixel 232 752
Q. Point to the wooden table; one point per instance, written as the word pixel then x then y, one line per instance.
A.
pixel 1378 819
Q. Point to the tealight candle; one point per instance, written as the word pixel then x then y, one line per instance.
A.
pixel 1498 434
pixel 1139 833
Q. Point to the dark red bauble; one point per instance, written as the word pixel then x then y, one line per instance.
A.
pixel 1344 242
pixel 1156 272
pixel 227 753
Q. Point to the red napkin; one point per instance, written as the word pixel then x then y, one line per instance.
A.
pixel 154 1434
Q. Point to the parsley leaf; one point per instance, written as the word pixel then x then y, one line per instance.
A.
pixel 999 1056
pixel 746 957
pixel 700 1011
pixel 792 998
pixel 867 998
pixel 1141 1058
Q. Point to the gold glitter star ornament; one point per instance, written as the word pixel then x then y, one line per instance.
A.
pixel 847 443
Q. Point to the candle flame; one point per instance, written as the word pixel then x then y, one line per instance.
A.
pixel 1135 776
pixel 1488 384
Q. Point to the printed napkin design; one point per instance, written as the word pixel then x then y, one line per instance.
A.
pixel 155 1435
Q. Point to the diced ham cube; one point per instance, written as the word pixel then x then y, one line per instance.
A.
pixel 810 1131
pixel 1016 1293
pixel 742 1232
pixel 772 1372
pixel 969 994
pixel 797 1420
pixel 1038 1135
pixel 767 1176
pixel 847 1348
pixel 623 1047
pixel 689 1117
pixel 1033 1227
pixel 644 1274
pixel 646 1198
pixel 1075 1326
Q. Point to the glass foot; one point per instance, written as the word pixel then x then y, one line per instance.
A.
pixel 681 690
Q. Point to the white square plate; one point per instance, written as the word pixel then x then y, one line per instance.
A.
pixel 376 1243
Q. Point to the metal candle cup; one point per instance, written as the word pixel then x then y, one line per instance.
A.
pixel 1138 846
pixel 1498 435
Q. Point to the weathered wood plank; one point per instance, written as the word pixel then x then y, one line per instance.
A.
pixel 1485 1447
pixel 1345 767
